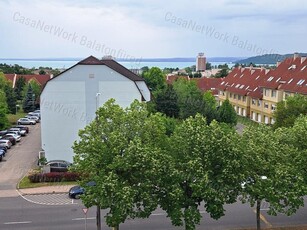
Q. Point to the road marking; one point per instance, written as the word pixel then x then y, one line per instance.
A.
pixel 264 220
pixel 21 222
pixel 82 218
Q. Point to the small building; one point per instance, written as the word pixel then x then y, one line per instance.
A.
pixel 69 101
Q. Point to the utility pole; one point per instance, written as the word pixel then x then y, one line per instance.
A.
pixel 98 216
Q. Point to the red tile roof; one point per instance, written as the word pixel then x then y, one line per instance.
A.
pixel 40 79
pixel 171 78
pixel 244 81
pixel 290 75
pixel 206 84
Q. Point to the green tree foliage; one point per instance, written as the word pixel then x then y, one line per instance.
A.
pixel 155 79
pixel 122 151
pixel 210 107
pixel 19 86
pixel 167 102
pixel 14 69
pixel 29 100
pixel 207 169
pixel 287 111
pixel 42 72
pixel 4 123
pixel 271 174
pixel 222 73
pixel 6 87
pixel 226 113
pixel 190 99
pixel 36 90
pixel 208 66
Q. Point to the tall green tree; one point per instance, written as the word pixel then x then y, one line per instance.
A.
pixel 122 152
pixel 29 100
pixel 7 88
pixel 210 107
pixel 227 114
pixel 4 123
pixel 36 90
pixel 190 98
pixel 271 174
pixel 167 102
pixel 207 171
pixel 287 111
pixel 155 79
pixel 19 86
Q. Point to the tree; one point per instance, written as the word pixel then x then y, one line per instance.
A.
pixel 208 66
pixel 226 113
pixel 155 79
pixel 210 107
pixel 19 85
pixel 42 72
pixel 36 90
pixel 190 99
pixel 287 111
pixel 167 102
pixel 222 73
pixel 10 96
pixel 29 100
pixel 4 123
pixel 207 169
pixel 122 152
pixel 271 174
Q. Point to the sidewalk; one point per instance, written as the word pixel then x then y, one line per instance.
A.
pixel 46 190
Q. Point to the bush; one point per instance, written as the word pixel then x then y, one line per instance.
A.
pixel 53 177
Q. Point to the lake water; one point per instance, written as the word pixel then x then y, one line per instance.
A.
pixel 64 64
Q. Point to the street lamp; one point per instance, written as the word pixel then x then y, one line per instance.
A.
pixel 17 108
pixel 98 215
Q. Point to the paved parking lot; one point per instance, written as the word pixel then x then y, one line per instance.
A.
pixel 19 160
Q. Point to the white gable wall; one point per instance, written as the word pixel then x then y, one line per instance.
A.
pixel 69 102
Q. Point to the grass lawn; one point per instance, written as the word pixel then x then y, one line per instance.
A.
pixel 14 117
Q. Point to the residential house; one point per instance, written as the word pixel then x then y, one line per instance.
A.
pixel 69 101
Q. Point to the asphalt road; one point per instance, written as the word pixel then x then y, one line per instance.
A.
pixel 18 160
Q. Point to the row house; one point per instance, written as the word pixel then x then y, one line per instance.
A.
pixel 254 93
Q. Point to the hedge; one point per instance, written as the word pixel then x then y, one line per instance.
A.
pixel 53 177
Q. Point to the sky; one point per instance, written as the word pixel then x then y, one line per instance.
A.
pixel 151 28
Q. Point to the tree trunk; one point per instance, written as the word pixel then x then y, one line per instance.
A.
pixel 98 218
pixel 258 214
pixel 116 228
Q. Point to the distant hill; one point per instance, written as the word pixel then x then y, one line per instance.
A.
pixel 268 59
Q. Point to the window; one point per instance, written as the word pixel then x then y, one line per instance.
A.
pixel 234 96
pixel 287 95
pixel 259 103
pixel 270 78
pixel 273 93
pixel 239 97
pixel 265 92
pixel 273 107
pixel 266 105
pixel 244 98
pixel 300 82
pixel 254 102
pixel 230 95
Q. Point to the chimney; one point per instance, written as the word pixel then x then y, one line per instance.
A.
pixel 296 55
pixel 303 58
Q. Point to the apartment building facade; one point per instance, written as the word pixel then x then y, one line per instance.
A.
pixel 255 92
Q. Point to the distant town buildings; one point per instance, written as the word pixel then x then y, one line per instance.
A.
pixel 201 62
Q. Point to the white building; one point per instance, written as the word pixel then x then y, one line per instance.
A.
pixel 69 101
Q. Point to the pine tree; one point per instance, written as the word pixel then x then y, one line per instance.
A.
pixel 29 100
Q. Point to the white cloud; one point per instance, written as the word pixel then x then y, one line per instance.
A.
pixel 140 29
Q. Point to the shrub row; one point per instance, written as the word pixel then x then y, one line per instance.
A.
pixel 53 177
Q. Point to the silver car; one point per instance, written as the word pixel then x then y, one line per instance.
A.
pixel 26 121
pixel 21 131
pixel 16 136
pixel 5 143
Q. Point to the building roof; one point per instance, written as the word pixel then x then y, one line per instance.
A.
pixel 206 84
pixel 290 75
pixel 244 81
pixel 40 79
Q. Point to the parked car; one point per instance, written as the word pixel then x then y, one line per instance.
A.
pixel 25 121
pixel 76 191
pixel 16 136
pixel 3 132
pixel 5 143
pixel 10 138
pixel 4 149
pixel 2 153
pixel 35 118
pixel 22 127
pixel 21 131
pixel 58 165
pixel 34 114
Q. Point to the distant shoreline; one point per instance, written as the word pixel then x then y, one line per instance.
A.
pixel 189 59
